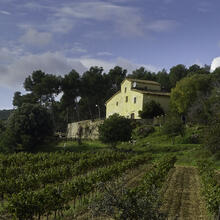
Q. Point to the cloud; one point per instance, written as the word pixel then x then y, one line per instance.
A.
pixel 54 63
pixel 107 65
pixel 5 12
pixel 104 53
pixel 103 11
pixel 215 64
pixel 204 6
pixel 61 25
pixel 161 25
pixel 13 74
pixel 35 38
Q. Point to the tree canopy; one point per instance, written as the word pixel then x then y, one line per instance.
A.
pixel 27 127
pixel 151 109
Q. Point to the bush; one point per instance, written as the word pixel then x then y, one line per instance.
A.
pixel 151 109
pixel 212 138
pixel 142 131
pixel 173 126
pixel 28 126
pixel 114 129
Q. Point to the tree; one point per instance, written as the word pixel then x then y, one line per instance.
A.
pixel 28 126
pixel 196 69
pixel 142 73
pixel 70 86
pixel 151 109
pixel 114 78
pixel 19 99
pixel 114 129
pixel 93 91
pixel 162 77
pixel 188 90
pixel 177 73
pixel 43 86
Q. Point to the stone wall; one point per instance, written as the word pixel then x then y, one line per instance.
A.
pixel 89 129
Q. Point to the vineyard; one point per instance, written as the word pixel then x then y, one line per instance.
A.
pixel 58 185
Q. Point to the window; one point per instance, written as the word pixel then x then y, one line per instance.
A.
pixel 116 103
pixel 135 100
pixel 126 99
pixel 125 89
pixel 132 115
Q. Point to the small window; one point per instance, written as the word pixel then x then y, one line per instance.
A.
pixel 126 99
pixel 132 115
pixel 135 100
pixel 125 89
pixel 116 103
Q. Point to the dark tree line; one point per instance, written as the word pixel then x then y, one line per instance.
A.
pixel 84 96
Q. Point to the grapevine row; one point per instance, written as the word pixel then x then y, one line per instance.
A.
pixel 28 181
pixel 27 204
pixel 210 186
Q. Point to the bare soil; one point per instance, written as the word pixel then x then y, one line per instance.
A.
pixel 182 198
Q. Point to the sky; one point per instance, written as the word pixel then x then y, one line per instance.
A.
pixel 57 36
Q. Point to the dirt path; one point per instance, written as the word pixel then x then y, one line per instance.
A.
pixel 182 199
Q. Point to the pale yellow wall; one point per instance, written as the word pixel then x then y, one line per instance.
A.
pixel 163 100
pixel 125 108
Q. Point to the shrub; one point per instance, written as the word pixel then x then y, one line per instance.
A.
pixel 151 109
pixel 212 138
pixel 114 129
pixel 142 131
pixel 173 127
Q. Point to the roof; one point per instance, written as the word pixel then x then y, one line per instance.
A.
pixel 152 93
pixel 142 81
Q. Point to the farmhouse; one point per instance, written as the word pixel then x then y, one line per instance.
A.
pixel 132 96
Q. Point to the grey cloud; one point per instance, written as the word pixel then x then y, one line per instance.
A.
pixel 104 11
pixel 5 12
pixel 53 63
pixel 36 38
pixel 104 53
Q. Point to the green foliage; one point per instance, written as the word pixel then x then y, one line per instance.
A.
pixel 173 127
pixel 122 203
pixel 177 73
pixel 210 186
pixel 187 91
pixel 151 109
pixel 142 131
pixel 27 127
pixel 211 138
pixel 163 79
pixel 114 129
pixel 24 203
pixel 142 73
pixel 141 202
pixel 4 114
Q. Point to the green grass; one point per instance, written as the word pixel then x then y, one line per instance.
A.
pixel 156 143
pixel 160 145
pixel 73 146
